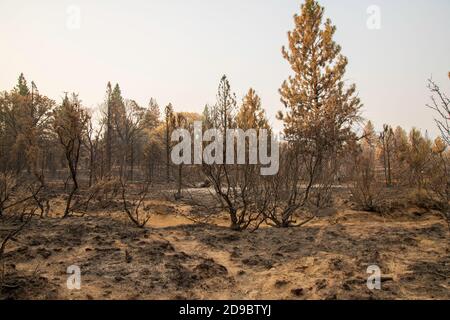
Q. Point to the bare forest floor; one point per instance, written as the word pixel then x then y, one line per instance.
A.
pixel 173 258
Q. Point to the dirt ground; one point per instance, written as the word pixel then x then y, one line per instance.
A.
pixel 173 258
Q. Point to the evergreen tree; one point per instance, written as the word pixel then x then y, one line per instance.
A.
pixel 152 115
pixel 223 112
pixel 251 115
pixel 369 135
pixel 320 110
pixel 22 86
pixel 168 118
pixel 387 144
pixel 109 127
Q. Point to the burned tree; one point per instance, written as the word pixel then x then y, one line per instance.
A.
pixel 320 108
pixel 128 126
pixel 386 144
pixel 69 123
pixel 168 126
pixel 233 183
pixel 280 197
pixel 440 103
pixel 133 205
pixel 92 143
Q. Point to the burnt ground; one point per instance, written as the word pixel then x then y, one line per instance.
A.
pixel 172 258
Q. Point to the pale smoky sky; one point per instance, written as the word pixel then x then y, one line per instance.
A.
pixel 177 50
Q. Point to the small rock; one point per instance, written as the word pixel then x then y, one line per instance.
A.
pixel 297 292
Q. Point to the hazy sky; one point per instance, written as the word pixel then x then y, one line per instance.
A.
pixel 177 50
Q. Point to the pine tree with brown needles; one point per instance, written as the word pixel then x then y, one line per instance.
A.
pixel 320 109
pixel 251 115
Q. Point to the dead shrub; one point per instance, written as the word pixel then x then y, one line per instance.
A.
pixel 105 191
pixel 365 190
pixel 16 222
pixel 424 199
pixel 133 206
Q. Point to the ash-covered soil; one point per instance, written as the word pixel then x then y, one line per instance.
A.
pixel 172 258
